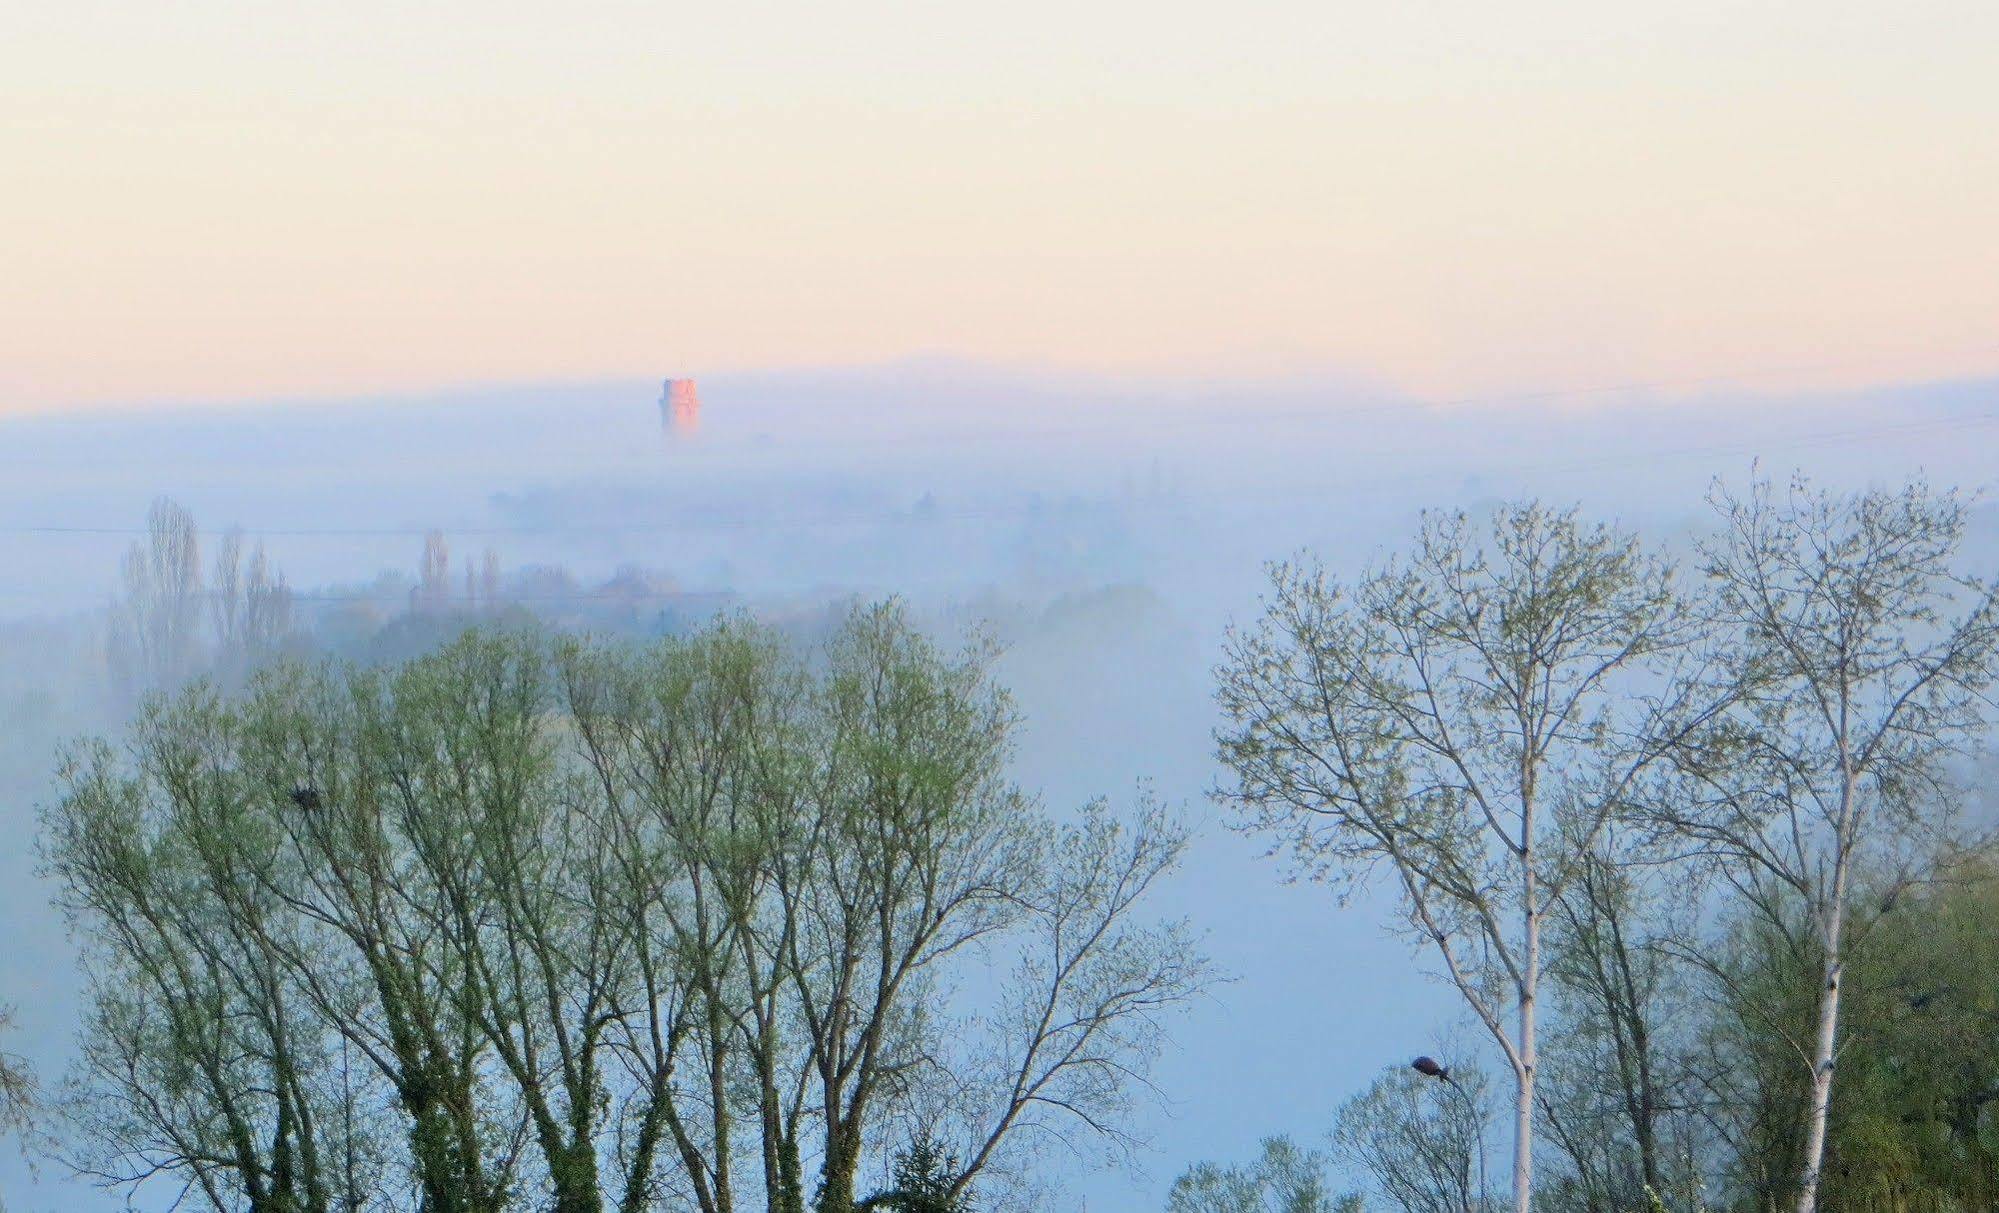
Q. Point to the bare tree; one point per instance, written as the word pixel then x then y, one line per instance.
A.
pixel 226 593
pixel 1081 1019
pixel 250 606
pixel 19 1093
pixel 156 629
pixel 1469 718
pixel 433 591
pixel 1417 1140
pixel 1866 659
pixel 267 606
pixel 1618 1096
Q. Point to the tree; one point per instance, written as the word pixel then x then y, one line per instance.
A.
pixel 156 638
pixel 1912 1122
pixel 433 590
pixel 1281 1179
pixel 1865 660
pixel 1419 1142
pixel 1469 719
pixel 250 606
pixel 489 580
pixel 512 888
pixel 156 629
pixel 1617 1094
pixel 924 1180
pixel 520 924
pixel 1074 1031
pixel 201 1058
pixel 921 843
pixel 699 752
pixel 226 601
pixel 924 853
pixel 266 620
pixel 1761 989
pixel 19 1093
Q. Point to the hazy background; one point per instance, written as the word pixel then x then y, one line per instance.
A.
pixel 1106 529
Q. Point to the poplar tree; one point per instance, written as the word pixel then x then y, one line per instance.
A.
pixel 1467 721
pixel 1865 658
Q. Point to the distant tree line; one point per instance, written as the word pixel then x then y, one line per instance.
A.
pixel 170 623
pixel 526 923
pixel 182 614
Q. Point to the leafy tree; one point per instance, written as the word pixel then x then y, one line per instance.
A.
pixel 1281 1179
pixel 571 927
pixel 1865 658
pixel 1916 1121
pixel 1468 719
pixel 200 1055
pixel 1912 1124
pixel 923 1181
pixel 699 751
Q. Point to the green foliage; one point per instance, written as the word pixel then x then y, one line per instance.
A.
pixel 1915 1118
pixel 1466 722
pixel 1281 1179
pixel 1484 717
pixel 521 924
pixel 1916 1124
pixel 924 1180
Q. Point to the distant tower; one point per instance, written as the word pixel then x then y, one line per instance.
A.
pixel 679 407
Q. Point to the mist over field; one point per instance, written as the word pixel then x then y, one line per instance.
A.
pixel 1106 532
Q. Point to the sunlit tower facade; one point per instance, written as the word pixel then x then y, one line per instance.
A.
pixel 679 407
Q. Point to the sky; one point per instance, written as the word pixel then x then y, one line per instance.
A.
pixel 221 201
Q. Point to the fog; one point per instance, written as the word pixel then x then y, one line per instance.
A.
pixel 1106 532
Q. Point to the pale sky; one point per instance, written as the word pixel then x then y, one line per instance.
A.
pixel 215 199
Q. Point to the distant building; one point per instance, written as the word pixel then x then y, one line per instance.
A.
pixel 679 407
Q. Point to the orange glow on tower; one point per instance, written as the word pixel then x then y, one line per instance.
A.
pixel 679 407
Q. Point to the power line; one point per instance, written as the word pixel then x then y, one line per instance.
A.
pixel 699 524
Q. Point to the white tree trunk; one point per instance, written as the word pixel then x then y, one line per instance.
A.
pixel 1827 1039
pixel 1530 980
pixel 1523 1104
